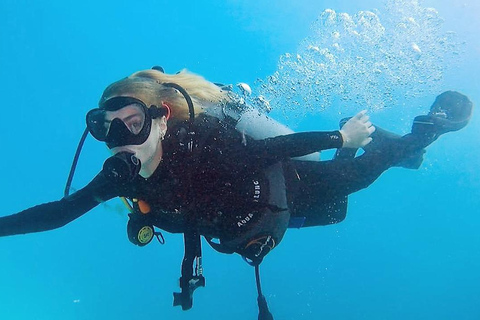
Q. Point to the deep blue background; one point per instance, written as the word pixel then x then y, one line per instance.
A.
pixel 409 248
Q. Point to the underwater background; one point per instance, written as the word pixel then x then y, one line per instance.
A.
pixel 410 246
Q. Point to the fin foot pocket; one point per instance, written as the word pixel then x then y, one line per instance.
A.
pixel 451 111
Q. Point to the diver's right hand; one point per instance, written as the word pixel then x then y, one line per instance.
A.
pixel 356 131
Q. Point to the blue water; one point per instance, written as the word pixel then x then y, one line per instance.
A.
pixel 410 246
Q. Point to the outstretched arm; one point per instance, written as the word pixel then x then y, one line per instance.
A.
pixel 355 133
pixel 56 214
pixel 294 145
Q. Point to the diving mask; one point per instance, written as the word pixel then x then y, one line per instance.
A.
pixel 122 121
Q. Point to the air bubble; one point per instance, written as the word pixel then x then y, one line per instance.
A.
pixel 366 59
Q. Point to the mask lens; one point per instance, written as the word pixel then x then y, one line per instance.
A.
pixel 131 117
pixel 97 125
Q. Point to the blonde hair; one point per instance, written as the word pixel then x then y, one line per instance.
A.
pixel 147 85
pixel 204 93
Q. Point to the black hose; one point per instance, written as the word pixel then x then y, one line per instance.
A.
pixel 66 193
pixel 263 312
pixel 187 97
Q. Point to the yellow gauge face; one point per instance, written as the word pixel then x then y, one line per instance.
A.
pixel 145 235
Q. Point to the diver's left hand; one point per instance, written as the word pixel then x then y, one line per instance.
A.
pixel 356 131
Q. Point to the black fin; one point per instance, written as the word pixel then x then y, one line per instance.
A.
pixel 451 111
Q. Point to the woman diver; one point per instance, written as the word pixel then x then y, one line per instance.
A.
pixel 188 157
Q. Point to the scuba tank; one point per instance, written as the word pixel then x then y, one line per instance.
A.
pixel 249 120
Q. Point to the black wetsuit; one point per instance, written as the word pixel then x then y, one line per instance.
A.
pixel 228 186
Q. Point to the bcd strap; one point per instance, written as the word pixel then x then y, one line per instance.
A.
pixel 192 276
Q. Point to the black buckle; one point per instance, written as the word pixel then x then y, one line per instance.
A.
pixel 192 271
pixel 188 286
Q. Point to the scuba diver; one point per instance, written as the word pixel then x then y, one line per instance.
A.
pixel 188 156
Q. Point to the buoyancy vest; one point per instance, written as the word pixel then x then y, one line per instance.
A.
pixel 235 200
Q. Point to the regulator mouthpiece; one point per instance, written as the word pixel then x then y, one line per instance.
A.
pixel 122 168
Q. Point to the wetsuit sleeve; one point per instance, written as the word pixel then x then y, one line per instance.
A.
pixel 294 145
pixel 212 132
pixel 56 214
